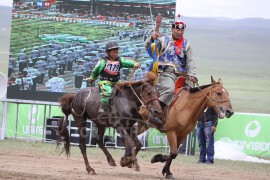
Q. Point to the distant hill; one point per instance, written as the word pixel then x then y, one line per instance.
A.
pixel 227 22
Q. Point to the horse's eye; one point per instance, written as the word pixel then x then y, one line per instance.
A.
pixel 149 94
pixel 219 93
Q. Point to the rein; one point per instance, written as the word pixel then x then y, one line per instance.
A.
pixel 215 102
pixel 84 104
pixel 140 99
pixel 129 78
pixel 147 101
pixel 136 95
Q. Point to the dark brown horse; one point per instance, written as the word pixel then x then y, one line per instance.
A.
pixel 184 113
pixel 123 115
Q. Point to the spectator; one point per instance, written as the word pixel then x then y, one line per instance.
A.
pixel 51 64
pixel 79 70
pixel 140 73
pixel 11 65
pixel 25 83
pixel 41 66
pixel 56 84
pixel 12 86
pixel 206 128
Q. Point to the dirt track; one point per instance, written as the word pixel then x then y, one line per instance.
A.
pixel 27 166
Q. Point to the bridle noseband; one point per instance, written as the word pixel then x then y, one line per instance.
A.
pixel 214 101
pixel 144 102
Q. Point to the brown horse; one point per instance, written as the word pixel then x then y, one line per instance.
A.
pixel 122 117
pixel 184 113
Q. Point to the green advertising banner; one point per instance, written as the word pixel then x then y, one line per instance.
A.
pixel 156 138
pixel 250 132
pixel 30 121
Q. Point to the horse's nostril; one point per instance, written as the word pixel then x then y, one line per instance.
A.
pixel 229 113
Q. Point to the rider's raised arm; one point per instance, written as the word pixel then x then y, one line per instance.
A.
pixel 149 42
pixel 97 69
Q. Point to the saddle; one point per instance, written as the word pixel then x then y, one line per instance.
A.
pixel 180 83
pixel 178 88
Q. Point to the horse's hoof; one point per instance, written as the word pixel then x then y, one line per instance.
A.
pixel 157 158
pixel 129 165
pixel 122 162
pixel 137 169
pixel 112 162
pixel 170 176
pixel 125 161
pixel 91 171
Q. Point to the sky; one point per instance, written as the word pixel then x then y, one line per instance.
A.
pixel 236 9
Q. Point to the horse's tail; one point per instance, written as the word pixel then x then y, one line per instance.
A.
pixel 63 133
pixel 63 136
pixel 66 103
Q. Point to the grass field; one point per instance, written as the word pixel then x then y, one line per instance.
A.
pixel 25 32
pixel 222 169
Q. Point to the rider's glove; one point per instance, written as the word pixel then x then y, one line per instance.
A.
pixel 137 65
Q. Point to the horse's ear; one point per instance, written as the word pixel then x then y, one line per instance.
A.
pixel 150 76
pixel 220 82
pixel 213 81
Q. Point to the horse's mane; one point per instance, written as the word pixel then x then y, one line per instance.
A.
pixel 149 77
pixel 196 89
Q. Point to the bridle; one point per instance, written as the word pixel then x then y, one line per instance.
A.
pixel 214 101
pixel 147 101
pixel 144 102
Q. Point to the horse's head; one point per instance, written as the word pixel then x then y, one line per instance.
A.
pixel 149 96
pixel 219 99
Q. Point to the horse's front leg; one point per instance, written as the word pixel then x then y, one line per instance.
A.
pixel 138 145
pixel 129 148
pixel 101 131
pixel 173 142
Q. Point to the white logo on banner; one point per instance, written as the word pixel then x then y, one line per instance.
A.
pixel 33 115
pixel 252 132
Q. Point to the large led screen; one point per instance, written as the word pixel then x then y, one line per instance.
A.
pixel 55 44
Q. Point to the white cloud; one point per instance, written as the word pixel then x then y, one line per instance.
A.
pixel 6 2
